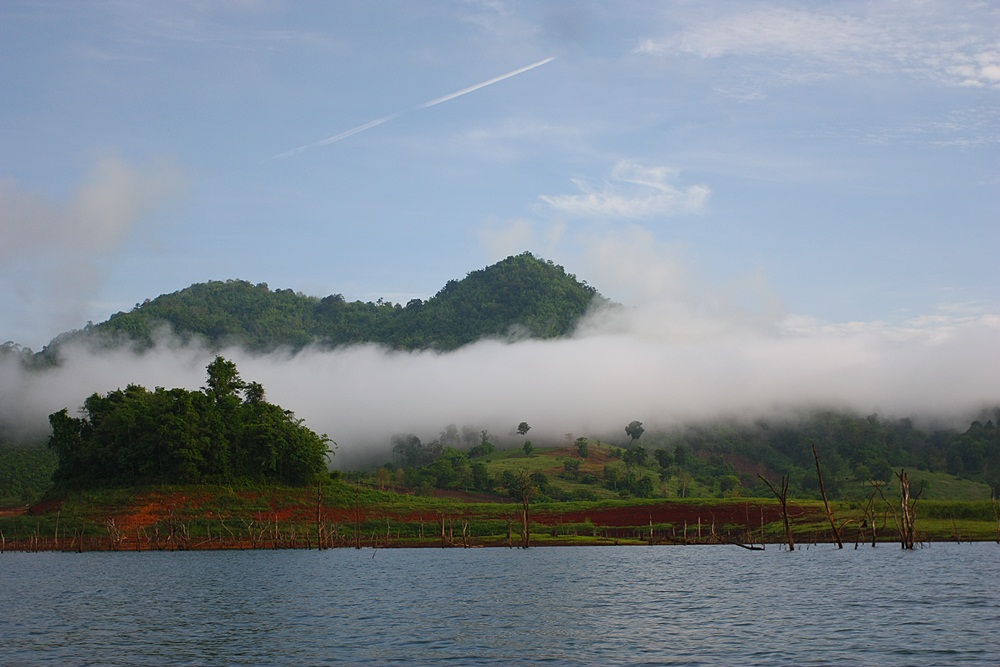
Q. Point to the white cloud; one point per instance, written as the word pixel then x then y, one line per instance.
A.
pixel 952 43
pixel 773 31
pixel 55 254
pixel 633 191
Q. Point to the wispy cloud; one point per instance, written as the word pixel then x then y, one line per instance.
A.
pixel 54 254
pixel 953 43
pixel 206 24
pixel 633 191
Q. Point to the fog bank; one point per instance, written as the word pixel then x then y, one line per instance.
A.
pixel 650 364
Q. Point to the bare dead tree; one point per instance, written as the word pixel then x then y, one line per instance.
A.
pixel 870 519
pixel 320 528
pixel 114 534
pixel 996 513
pixel 826 503
pixel 905 516
pixel 783 500
pixel 357 520
pixel 907 511
pixel 526 488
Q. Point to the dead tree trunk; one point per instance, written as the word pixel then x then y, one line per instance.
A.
pixel 320 527
pixel 525 537
pixel 826 503
pixel 869 517
pixel 907 531
pixel 783 499
pixel 996 513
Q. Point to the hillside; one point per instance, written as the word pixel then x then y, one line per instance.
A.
pixel 518 296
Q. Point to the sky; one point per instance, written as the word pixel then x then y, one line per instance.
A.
pixel 821 178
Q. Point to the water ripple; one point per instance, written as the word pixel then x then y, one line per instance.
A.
pixel 580 606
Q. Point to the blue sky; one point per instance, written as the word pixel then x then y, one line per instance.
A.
pixel 842 157
pixel 821 178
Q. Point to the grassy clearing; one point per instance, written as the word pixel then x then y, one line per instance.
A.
pixel 928 486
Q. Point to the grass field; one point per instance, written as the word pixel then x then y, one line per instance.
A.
pixel 341 514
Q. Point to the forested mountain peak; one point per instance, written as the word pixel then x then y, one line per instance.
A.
pixel 521 295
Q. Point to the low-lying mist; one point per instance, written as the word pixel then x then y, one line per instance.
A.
pixel 653 364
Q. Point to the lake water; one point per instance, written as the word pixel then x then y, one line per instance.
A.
pixel 705 605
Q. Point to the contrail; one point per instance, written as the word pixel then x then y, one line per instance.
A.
pixel 489 82
pixel 430 103
pixel 337 137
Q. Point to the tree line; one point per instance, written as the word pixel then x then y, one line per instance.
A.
pixel 717 459
pixel 521 295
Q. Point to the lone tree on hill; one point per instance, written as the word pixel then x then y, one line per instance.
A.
pixel 522 429
pixel 634 430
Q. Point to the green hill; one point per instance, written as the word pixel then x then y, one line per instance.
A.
pixel 519 296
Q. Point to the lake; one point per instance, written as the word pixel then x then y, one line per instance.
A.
pixel 676 605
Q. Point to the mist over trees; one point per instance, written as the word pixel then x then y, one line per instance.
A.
pixel 224 433
pixel 724 459
pixel 288 339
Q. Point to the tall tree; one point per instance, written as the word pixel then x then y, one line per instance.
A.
pixel 634 430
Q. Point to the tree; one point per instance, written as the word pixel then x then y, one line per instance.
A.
pixel 634 430
pixel 521 484
pixel 662 457
pixel 134 436
pixel 409 451
pixel 481 480
pixel 681 455
pixel 635 457
pixel 826 502
pixel 223 379
pixel 523 429
pixel 782 497
pixel 582 448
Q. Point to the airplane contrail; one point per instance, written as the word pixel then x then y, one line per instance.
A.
pixel 490 82
pixel 337 137
pixel 430 103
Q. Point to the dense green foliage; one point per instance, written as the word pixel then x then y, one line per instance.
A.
pixel 519 296
pixel 716 459
pixel 25 473
pixel 850 447
pixel 226 432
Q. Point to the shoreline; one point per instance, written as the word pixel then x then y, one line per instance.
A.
pixel 105 545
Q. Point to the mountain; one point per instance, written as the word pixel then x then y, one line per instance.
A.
pixel 521 296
